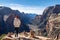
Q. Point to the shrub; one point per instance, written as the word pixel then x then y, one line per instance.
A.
pixel 2 36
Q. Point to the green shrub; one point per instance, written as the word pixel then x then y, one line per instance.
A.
pixel 2 36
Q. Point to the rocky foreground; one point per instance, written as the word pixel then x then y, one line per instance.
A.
pixel 23 36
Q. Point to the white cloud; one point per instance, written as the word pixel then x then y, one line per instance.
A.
pixel 26 9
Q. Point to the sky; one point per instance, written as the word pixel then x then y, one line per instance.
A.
pixel 29 6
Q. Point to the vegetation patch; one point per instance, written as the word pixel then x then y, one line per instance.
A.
pixel 2 36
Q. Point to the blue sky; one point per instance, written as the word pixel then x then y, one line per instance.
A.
pixel 29 6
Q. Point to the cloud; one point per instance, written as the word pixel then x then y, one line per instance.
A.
pixel 26 9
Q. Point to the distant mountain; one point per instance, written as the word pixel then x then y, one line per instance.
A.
pixel 7 16
pixel 36 20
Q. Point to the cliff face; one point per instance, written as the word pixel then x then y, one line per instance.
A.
pixel 46 14
pixel 43 21
pixel 7 16
pixel 53 23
